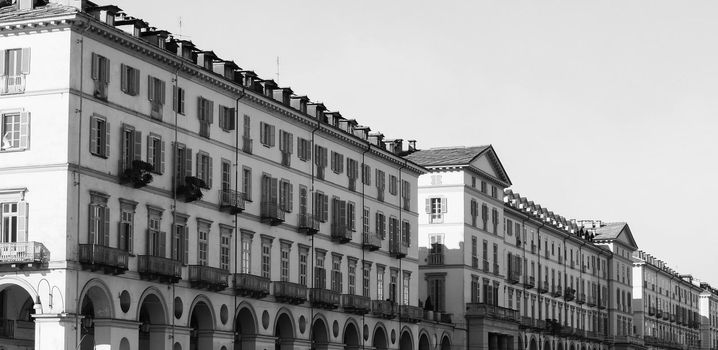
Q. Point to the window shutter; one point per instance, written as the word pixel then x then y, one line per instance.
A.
pixel 210 111
pixel 272 140
pixel 162 157
pixel 106 225
pixel 22 216
pixel 281 140
pixel 443 205
pixel 188 161
pixel 136 87
pixel 262 133
pixel 107 139
pixel 282 196
pixel 325 207
pixel 25 130
pixel 162 92
pixel 138 145
pixel 107 71
pixel 199 169
pixel 291 197
pixel 25 65
pixel 174 98
pixel 200 109
pixel 273 189
pixel 93 71
pixel 222 121
pixel 162 244
pixel 91 234
pixel 209 173
pixel 185 245
pixel 333 164
pixel 123 77
pixel 290 140
pixel 150 88
pixel 93 134
pixel 121 235
pixel 151 151
pixel 428 205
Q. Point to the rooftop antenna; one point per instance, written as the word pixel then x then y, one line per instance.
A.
pixel 277 69
pixel 179 19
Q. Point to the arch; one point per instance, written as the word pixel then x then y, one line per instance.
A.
pixel 124 344
pixel 319 334
pixel 379 338
pixel 153 296
pixel 532 344
pixel 406 340
pixel 520 342
pixel 445 342
pixel 201 318
pixel 284 324
pixel 352 339
pixel 96 296
pixel 245 319
pixel 205 318
pixel 18 308
pixel 559 346
pixel 424 343
pixel 572 347
pixel 546 345
pixel 9 281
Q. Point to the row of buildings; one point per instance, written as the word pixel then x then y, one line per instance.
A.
pixel 156 196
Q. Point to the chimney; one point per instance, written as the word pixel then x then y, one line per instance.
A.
pixel 362 132
pixel 268 87
pixel 206 59
pixel 25 4
pixel 130 25
pixel 282 95
pixel 333 118
pixel 186 50
pixel 78 4
pixel 412 145
pixel 398 146
pixel 249 79
pixel 316 110
pixel 377 139
pixel 299 103
pixel 224 68
pixel 156 37
pixel 348 125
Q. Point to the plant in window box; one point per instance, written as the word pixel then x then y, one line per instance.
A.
pixel 139 174
pixel 191 189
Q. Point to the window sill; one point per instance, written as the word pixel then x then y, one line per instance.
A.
pixel 12 150
pixel 99 155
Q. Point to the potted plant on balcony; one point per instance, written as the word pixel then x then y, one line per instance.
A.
pixel 191 190
pixel 139 174
pixel 429 309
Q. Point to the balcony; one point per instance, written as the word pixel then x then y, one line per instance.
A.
pixel 290 293
pixel 341 233
pixel 111 260
pixel 136 173
pixel 496 269
pixel 556 291
pixel 191 189
pixel 383 308
pixel 529 282
pixel 231 201
pixel 666 315
pixel 16 329
pixel 659 313
pixel 602 304
pixel 486 266
pixel 248 285
pixel 569 294
pixel 591 301
pixel 212 278
pixel 513 277
pixel 23 254
pixel 246 145
pixel 324 298
pixel 567 331
pixel 435 259
pixel 12 84
pixel 543 287
pixel 307 224
pixel 398 250
pixel 446 318
pixel 581 298
pixel 672 318
pixel 356 304
pixel 627 339
pixel 155 267
pixel 482 310
pixel 271 213
pixel 411 314
pixel 371 241
pixel 527 322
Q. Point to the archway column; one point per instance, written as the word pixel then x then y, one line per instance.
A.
pixel 298 344
pixel 330 346
pixel 257 341
pixel 109 333
pixel 222 338
pixel 51 330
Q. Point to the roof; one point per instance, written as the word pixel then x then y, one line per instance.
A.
pixel 446 155
pixel 11 13
pixel 610 231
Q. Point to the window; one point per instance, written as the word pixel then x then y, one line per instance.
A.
pixel 320 275
pixel 99 230
pixel 365 279
pixel 202 241
pixel 352 275
pixel 483 186
pixel 100 75
pixel 15 131
pixel 339 215
pixel 225 237
pixel 474 212
pixel 156 153
pixel 205 114
pixel 436 292
pixel 286 146
pixel 266 134
pixel 286 195
pixel 13 220
pixel 380 225
pixel 406 195
pixel 365 220
pixel 474 252
pixel 494 192
pixel 337 273
pixel 393 285
pixel 15 66
pixel 393 231
pixel 269 198
pixel 321 206
pixel 304 149
pixel 180 239
pixel 183 163
pixel 131 146
pixel 246 137
pixel 351 216
pixel 380 283
pixel 406 233
pixel 303 254
pixel 157 240
pixel 474 289
pixel 484 216
pixel 392 185
pixel 178 99
pixel 352 173
pixel 99 136
pixel 226 118
pixel 246 253
pixel 284 261
pixel 156 96
pixel 320 160
pixel 337 163
pixel 204 168
pixel 366 174
pixel 436 207
pixel 405 288
pixel 485 255
pixel 495 219
pixel 247 183
pixel 129 80
pixel 266 257
pixel 125 237
pixel 380 184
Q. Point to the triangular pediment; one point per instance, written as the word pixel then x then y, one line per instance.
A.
pixel 626 237
pixel 488 163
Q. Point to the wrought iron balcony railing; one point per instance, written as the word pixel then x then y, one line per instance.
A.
pixel 247 284
pixel 231 201
pixel 341 232
pixel 155 267
pixel 23 253
pixel 112 260
pixel 383 308
pixel 324 298
pixel 307 224
pixel 482 310
pixel 272 213
pixel 409 313
pixel 397 249
pixel 529 282
pixel 581 298
pixel 209 277
pixel 290 293
pixel 435 259
pixel 357 304
pixel 371 241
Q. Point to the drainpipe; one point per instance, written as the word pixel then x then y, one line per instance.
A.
pixel 236 216
pixel 538 253
pixel 363 251
pixel 400 242
pixel 313 262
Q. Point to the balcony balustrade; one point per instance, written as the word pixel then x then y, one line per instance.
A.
pixel 591 301
pixel 111 260
pixel 341 233
pixel 231 201
pixel 581 298
pixel 446 318
pixel 513 277
pixel 290 293
pixel 486 266
pixel 247 284
pixel 411 314
pixel 659 313
pixel 307 224
pixel 556 291
pixel 602 303
pixel 383 308
pixel 543 287
pixel 482 310
pixel 529 282
pixel 324 298
pixel 628 339
pixel 371 241
pixel 356 304
pixel 155 267
pixel 496 269
pixel 569 294
pixel 435 259
pixel 271 213
pixel 23 254
pixel 397 249
pixel 12 84
pixel 212 278
pixel 17 329
pixel 527 322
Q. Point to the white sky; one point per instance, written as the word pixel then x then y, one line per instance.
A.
pixel 597 109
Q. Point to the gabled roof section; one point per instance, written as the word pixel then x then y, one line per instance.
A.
pixel 481 158
pixel 616 231
pixel 11 12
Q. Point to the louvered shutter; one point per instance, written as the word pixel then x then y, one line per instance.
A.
pixel 291 197
pixel 273 189
pixel 199 169
pixel 262 133
pixel 94 72
pixel 94 133
pixel 138 145
pixel 151 151
pixel 24 130
pixel 162 244
pixel 209 173
pixel 231 116
pixel 106 226
pixel 428 205
pixel 209 105
pixel 185 245
pixel 222 119
pixel 91 229
pixel 282 196
pixel 200 109
pixel 162 157
pixel 443 205
pixel 290 141
pixel 107 139
pixel 136 87
pixel 174 98
pixel 150 88
pixel 325 207
pixel 121 236
pixel 107 71
pixel 123 77
pixel 162 92
pixel 188 162
pixel 22 221
pixel 272 138
pixel 25 63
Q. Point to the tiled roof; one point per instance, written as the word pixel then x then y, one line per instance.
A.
pixel 446 156
pixel 11 13
pixel 610 231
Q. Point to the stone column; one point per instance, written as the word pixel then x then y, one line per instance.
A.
pixel 298 344
pixel 256 342
pixel 222 338
pixel 56 331
pixel 109 333
pixel 493 341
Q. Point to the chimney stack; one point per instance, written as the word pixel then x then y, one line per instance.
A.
pixel 79 4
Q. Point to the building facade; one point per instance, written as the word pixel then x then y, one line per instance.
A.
pixel 708 309
pixel 155 196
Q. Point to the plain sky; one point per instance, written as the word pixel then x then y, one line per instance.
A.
pixel 597 109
